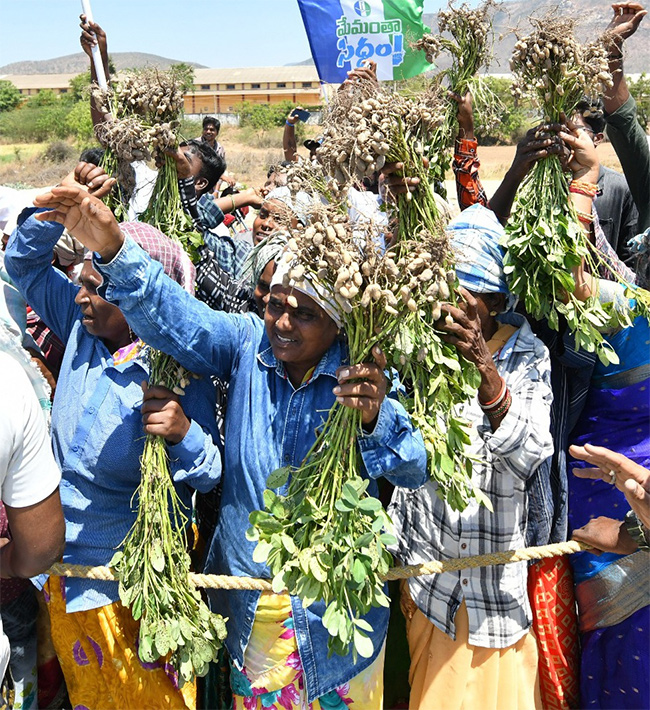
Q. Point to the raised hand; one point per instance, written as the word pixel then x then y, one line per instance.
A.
pixel 85 217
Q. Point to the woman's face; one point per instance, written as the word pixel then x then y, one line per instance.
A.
pixel 100 318
pixel 487 303
pixel 265 223
pixel 263 286
pixel 300 332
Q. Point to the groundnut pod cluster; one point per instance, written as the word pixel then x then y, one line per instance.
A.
pixel 126 137
pixel 554 70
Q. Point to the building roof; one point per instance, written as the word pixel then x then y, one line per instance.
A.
pixel 39 81
pixel 255 74
pixel 246 75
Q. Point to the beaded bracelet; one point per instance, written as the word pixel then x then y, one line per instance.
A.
pixel 581 187
pixel 497 400
pixel 502 410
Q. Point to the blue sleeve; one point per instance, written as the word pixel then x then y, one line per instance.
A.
pixel 47 290
pixel 395 449
pixel 168 318
pixel 196 460
pixel 209 212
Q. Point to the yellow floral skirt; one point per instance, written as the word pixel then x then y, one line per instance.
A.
pixel 97 650
pixel 272 678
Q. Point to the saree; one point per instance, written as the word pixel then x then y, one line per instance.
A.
pixel 98 652
pixel 612 590
pixel 272 678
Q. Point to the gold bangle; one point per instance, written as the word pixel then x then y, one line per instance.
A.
pixel 234 206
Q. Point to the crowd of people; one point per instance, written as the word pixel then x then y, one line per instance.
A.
pixel 560 441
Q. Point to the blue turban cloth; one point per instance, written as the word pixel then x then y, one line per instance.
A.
pixel 475 237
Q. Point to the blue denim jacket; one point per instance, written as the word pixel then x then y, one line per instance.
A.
pixel 97 431
pixel 268 424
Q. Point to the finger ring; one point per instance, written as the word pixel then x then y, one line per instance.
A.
pixel 612 477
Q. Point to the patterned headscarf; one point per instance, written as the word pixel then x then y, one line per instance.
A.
pixel 260 255
pixel 316 291
pixel 175 262
pixel 300 204
pixel 475 237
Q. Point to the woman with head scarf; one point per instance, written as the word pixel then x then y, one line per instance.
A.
pixel 99 421
pixel 469 631
pixel 284 373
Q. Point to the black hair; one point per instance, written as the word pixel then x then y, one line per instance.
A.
pixel 212 120
pixel 92 155
pixel 278 167
pixel 213 165
pixel 593 113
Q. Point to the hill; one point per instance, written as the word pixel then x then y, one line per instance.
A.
pixel 592 18
pixel 78 63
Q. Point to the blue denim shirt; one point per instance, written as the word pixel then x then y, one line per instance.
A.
pixel 97 431
pixel 269 423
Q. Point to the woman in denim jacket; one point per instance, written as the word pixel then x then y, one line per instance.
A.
pixel 284 374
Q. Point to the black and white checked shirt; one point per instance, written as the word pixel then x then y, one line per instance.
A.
pixel 426 528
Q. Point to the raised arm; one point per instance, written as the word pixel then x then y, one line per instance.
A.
pixel 92 34
pixel 162 313
pixel 466 163
pixel 623 129
pixel 289 146
pixel 28 258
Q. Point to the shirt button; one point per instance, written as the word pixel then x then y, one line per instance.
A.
pixel 287 458
pixel 465 582
pixel 463 546
pixel 75 449
pixel 91 410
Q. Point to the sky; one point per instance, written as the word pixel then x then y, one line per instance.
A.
pixel 215 33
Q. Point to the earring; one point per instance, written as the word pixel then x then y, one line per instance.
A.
pixel 494 313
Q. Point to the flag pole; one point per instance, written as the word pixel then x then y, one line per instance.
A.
pixel 97 58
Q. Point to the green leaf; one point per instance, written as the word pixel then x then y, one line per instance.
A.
pixel 349 494
pixel 279 477
pixel 278 584
pixel 343 506
pixel 363 644
pixel 315 568
pixel 370 505
pixel 145 651
pixel 157 556
pixel 482 499
pixel 163 642
pixel 116 559
pixel 261 551
pixel 359 572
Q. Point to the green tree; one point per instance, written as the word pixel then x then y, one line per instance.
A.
pixel 10 96
pixel 79 87
pixel 45 97
pixel 640 90
pixel 79 124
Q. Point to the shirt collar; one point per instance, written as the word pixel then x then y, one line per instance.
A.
pixel 521 340
pixel 329 363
